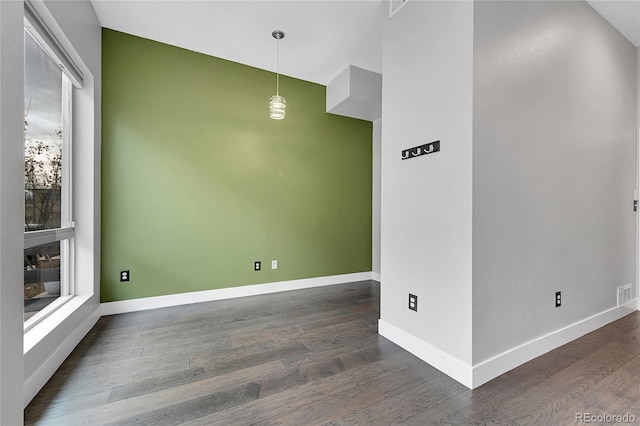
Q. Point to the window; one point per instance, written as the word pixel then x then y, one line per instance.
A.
pixel 48 224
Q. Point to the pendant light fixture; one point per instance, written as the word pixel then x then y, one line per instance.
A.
pixel 277 103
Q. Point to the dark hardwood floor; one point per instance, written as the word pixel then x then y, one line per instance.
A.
pixel 314 357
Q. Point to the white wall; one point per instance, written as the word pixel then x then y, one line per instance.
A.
pixel 11 211
pixel 375 201
pixel 426 201
pixel 49 343
pixel 554 165
pixel 533 106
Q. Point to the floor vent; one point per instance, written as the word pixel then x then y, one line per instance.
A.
pixel 624 294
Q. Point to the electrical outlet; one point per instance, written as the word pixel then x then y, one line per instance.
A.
pixel 413 302
pixel 256 265
pixel 124 276
pixel 624 294
pixel 274 264
pixel 558 299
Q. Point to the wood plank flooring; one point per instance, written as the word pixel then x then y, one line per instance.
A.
pixel 313 357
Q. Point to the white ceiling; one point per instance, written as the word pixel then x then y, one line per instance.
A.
pixel 622 14
pixel 322 37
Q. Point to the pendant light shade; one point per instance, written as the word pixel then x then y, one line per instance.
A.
pixel 277 103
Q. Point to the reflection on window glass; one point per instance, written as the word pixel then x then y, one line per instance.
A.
pixel 41 277
pixel 42 139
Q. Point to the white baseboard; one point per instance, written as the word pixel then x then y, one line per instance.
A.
pixel 480 373
pixel 508 360
pixel 433 356
pixel 45 370
pixel 376 276
pixel 122 306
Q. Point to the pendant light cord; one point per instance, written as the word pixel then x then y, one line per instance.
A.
pixel 278 67
pixel 277 104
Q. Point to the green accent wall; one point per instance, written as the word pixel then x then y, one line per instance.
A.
pixel 198 182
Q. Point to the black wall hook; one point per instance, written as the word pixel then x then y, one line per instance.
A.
pixel 417 151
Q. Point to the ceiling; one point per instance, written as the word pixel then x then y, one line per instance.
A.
pixel 623 15
pixel 322 37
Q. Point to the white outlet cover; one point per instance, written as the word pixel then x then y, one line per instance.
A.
pixel 274 264
pixel 624 294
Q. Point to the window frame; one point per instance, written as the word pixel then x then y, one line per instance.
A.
pixel 65 234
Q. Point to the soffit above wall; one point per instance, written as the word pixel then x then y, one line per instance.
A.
pixel 356 93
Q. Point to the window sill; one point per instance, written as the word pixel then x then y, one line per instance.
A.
pixel 39 331
pixel 46 312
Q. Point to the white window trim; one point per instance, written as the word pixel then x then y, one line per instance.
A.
pixel 47 344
